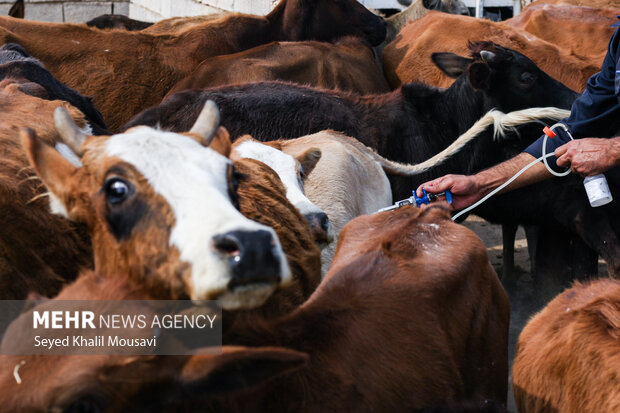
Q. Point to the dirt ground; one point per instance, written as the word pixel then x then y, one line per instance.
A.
pixel 523 302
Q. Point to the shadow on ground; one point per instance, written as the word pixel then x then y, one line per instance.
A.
pixel 524 302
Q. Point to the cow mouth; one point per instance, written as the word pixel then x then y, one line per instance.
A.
pixel 246 296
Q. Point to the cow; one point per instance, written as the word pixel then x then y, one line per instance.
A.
pixel 127 71
pixel 171 225
pixel 415 122
pixel 412 316
pixel 117 21
pixel 583 31
pixel 408 57
pixel 293 172
pixel 348 64
pixel 568 355
pixel 39 252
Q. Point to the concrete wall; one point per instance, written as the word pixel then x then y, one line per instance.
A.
pixel 75 11
pixel 154 10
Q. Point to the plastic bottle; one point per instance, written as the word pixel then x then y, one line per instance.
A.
pixel 597 190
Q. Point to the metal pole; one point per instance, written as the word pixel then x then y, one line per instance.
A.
pixel 480 8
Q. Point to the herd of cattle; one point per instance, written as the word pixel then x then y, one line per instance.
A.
pixel 242 158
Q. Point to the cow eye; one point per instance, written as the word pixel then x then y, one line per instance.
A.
pixel 116 190
pixel 233 185
pixel 527 78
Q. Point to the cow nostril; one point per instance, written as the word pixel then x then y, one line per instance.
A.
pixel 227 244
pixel 324 222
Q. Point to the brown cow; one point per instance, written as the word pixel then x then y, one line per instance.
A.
pixel 38 251
pixel 262 198
pixel 578 30
pixel 411 316
pixel 568 355
pixel 164 217
pixel 348 64
pixel 127 71
pixel 292 172
pixel 408 57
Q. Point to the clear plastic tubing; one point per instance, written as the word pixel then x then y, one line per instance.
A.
pixel 596 186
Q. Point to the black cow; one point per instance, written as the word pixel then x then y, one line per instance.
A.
pixel 15 62
pixel 117 21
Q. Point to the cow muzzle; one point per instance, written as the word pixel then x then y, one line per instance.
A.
pixel 254 259
pixel 320 227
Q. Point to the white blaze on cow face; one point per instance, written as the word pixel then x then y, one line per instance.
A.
pixel 286 167
pixel 193 180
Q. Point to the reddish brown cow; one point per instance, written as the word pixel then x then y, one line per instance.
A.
pixel 568 355
pixel 348 64
pixel 408 57
pixel 578 30
pixel 411 316
pixel 127 71
pixel 262 198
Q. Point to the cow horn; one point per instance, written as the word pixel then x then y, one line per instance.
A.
pixel 71 135
pixel 487 56
pixel 207 123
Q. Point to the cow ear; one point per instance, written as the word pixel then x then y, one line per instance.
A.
pixel 238 368
pixel 309 159
pixel 55 171
pixel 221 142
pixel 17 9
pixel 432 4
pixel 451 64
pixel 479 74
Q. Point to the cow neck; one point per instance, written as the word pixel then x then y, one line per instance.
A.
pixel 416 113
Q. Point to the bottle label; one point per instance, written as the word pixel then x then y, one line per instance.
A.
pixel 598 190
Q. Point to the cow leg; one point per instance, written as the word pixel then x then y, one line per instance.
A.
pixel 509 232
pixel 584 260
pixel 551 272
pixel 597 232
pixel 531 234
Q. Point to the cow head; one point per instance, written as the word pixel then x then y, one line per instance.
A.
pixel 292 171
pixel 509 80
pixel 107 384
pixel 327 20
pixel 454 7
pixel 160 209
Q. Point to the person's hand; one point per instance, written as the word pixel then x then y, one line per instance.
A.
pixel 588 156
pixel 465 189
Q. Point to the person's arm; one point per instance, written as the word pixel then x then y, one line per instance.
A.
pixel 468 189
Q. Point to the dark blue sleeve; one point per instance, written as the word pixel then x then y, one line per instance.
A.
pixel 596 113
